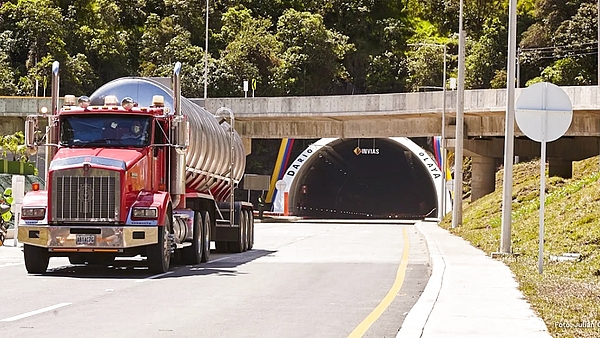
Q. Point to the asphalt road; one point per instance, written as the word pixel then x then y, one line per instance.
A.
pixel 300 280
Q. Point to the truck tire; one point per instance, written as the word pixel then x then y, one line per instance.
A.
pixel 36 258
pixel 159 254
pixel 240 244
pixel 250 229
pixel 206 236
pixel 193 253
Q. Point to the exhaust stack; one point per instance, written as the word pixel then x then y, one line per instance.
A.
pixel 179 143
pixel 52 137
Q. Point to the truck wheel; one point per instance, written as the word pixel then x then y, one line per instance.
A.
pixel 250 229
pixel 192 254
pixel 240 245
pixel 36 258
pixel 206 237
pixel 159 254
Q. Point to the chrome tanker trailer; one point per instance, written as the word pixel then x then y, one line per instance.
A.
pixel 134 169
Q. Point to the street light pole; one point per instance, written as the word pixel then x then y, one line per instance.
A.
pixel 443 164
pixel 206 55
pixel 460 103
pixel 509 133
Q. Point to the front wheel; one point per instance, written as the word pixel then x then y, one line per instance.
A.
pixel 159 254
pixel 36 258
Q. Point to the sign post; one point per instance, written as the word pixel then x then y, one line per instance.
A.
pixel 18 188
pixel 543 113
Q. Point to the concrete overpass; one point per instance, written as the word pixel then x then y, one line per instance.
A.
pixel 392 115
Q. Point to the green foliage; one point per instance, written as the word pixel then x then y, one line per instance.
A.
pixel 291 47
pixel 252 53
pixel 485 57
pixel 310 53
pixel 12 147
pixel 566 291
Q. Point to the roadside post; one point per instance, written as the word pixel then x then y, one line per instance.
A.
pixel 18 188
pixel 544 114
pixel 281 195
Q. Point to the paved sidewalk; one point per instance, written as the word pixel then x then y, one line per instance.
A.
pixel 468 294
pixel 10 253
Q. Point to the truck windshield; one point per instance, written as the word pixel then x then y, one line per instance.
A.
pixel 105 130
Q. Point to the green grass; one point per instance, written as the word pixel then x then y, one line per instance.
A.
pixel 566 293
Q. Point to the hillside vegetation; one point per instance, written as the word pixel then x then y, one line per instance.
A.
pixel 567 294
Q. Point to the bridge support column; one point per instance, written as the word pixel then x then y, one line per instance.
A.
pixel 483 179
pixel 560 167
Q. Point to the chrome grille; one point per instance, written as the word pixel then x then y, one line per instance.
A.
pixel 77 197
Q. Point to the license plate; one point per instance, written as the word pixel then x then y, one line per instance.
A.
pixel 85 239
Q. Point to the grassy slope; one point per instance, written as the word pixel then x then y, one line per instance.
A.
pixel 567 293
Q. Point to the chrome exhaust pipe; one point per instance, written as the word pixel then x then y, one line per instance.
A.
pixel 179 143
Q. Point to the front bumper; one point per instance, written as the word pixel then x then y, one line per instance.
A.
pixel 106 238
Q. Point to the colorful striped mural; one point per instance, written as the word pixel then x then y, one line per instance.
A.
pixel 281 165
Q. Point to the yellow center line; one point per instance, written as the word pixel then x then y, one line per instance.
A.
pixel 360 330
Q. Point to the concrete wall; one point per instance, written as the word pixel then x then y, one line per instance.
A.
pixel 377 115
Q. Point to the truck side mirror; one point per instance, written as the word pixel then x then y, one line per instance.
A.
pixel 31 124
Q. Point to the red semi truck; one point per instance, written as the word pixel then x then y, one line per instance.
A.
pixel 135 169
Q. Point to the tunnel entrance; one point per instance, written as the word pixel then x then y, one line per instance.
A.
pixel 363 178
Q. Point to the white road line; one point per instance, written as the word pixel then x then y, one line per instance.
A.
pixel 33 313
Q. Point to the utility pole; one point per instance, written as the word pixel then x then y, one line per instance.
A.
pixel 509 133
pixel 460 104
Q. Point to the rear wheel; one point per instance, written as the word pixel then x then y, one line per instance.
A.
pixel 240 245
pixel 250 229
pixel 206 236
pixel 159 254
pixel 193 254
pixel 36 258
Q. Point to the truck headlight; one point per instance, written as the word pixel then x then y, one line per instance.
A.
pixel 143 212
pixel 33 212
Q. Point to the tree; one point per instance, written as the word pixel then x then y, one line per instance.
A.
pixel 486 56
pixel 15 144
pixel 425 67
pixel 251 53
pixel 311 56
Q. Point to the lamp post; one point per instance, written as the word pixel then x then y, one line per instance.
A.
pixel 443 159
pixel 206 55
pixel 509 132
pixel 460 104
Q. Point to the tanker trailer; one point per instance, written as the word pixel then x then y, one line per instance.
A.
pixel 134 169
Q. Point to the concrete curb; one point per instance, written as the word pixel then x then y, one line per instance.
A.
pixel 417 317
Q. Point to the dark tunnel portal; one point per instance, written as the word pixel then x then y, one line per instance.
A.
pixel 338 183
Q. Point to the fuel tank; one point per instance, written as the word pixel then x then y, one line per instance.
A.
pixel 208 155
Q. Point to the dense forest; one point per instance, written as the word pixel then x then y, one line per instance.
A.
pixel 291 47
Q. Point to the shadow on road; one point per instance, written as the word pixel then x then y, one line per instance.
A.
pixel 136 268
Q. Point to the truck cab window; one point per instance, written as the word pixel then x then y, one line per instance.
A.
pixel 105 130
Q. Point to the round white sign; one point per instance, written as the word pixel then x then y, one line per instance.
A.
pixel 543 112
pixel 280 185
